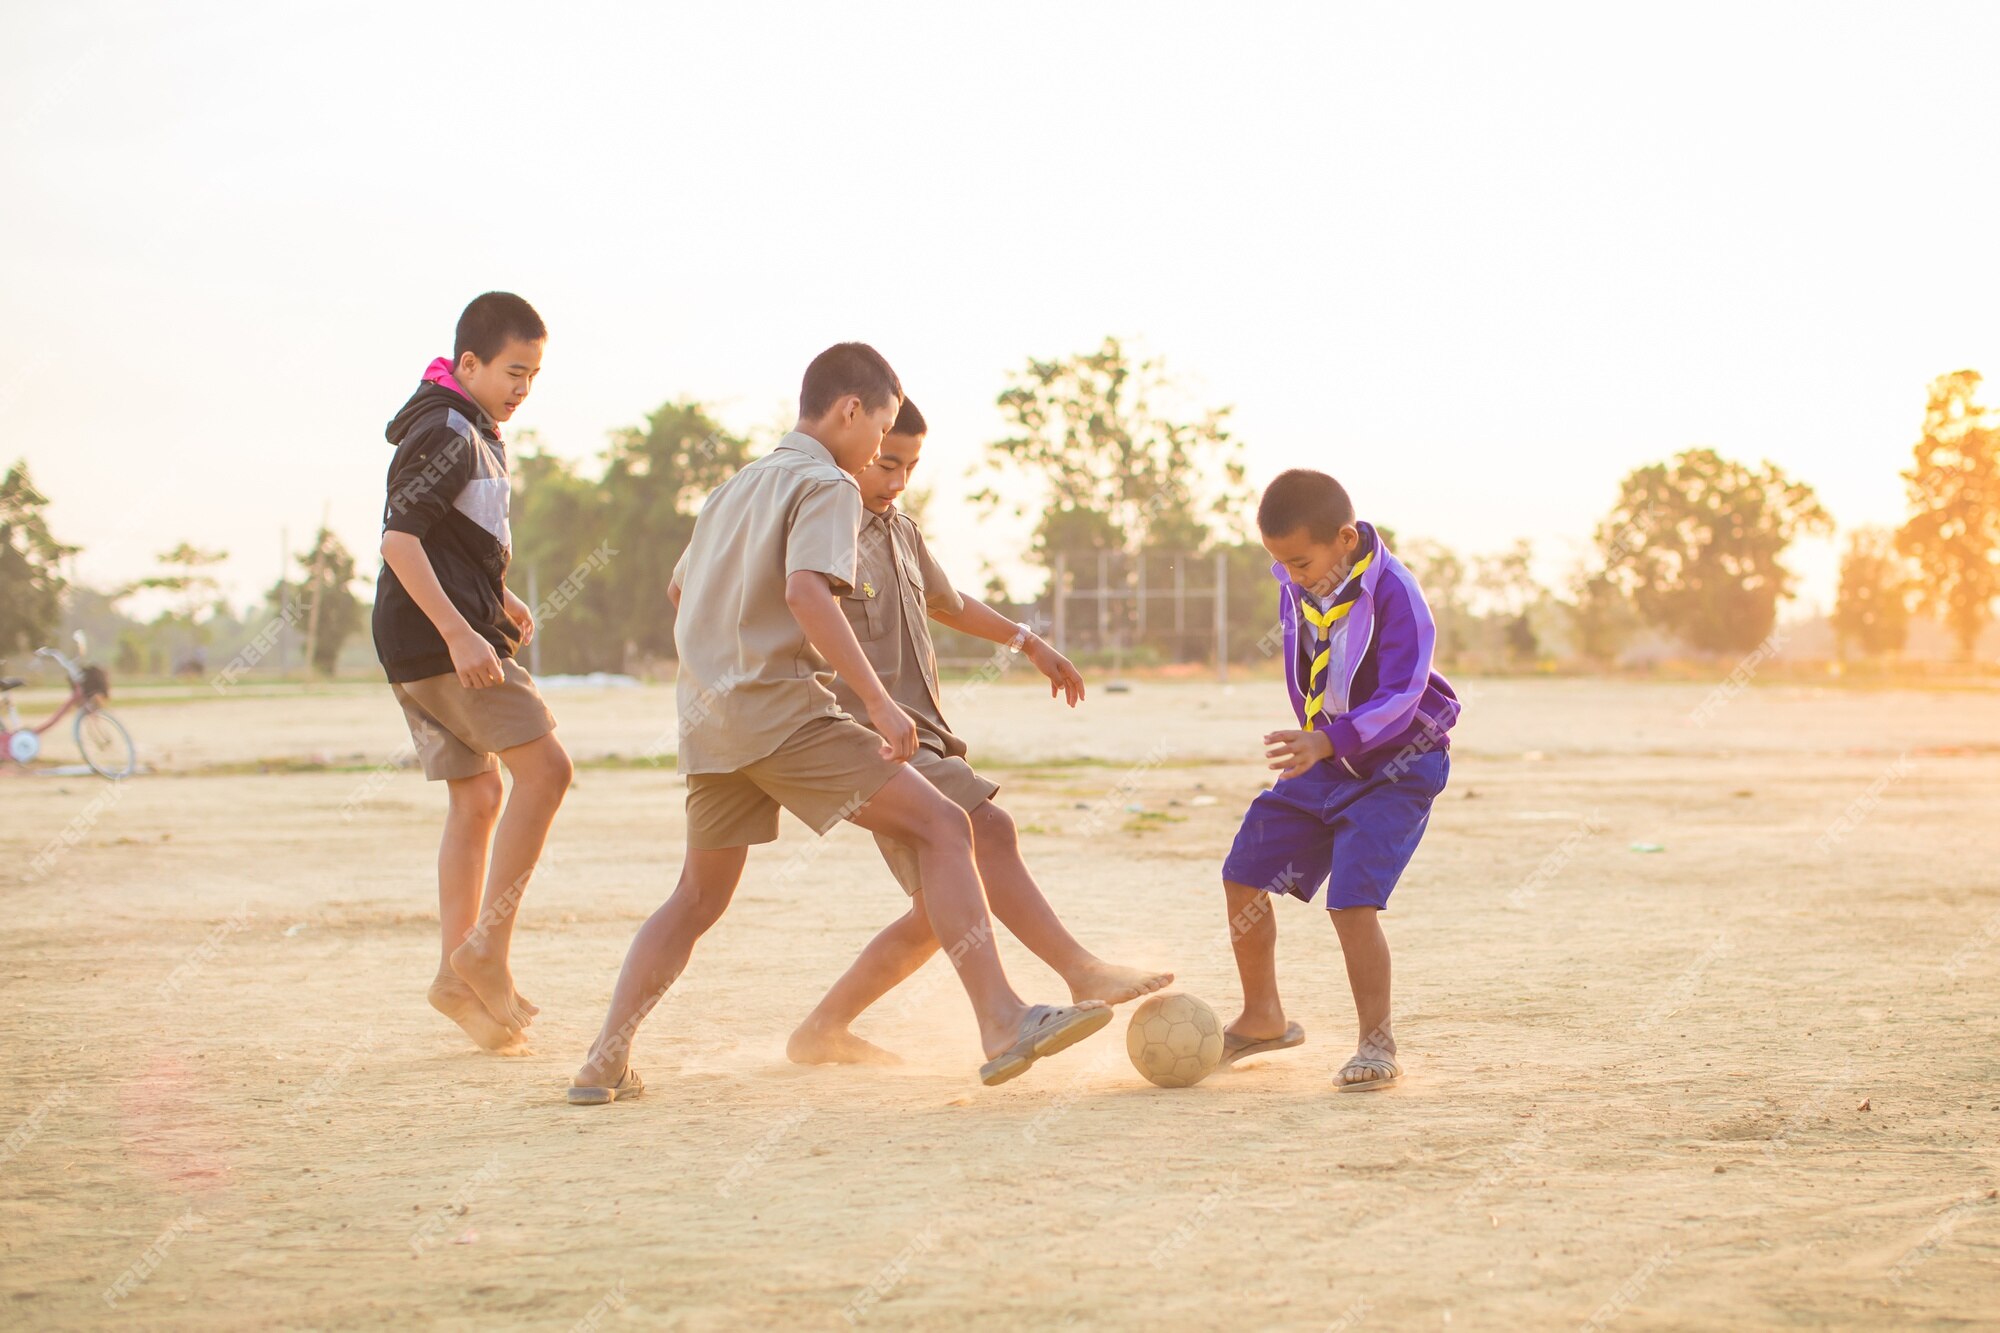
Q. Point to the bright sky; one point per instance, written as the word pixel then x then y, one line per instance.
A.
pixel 1477 263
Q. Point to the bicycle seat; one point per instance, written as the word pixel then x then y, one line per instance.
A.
pixel 10 683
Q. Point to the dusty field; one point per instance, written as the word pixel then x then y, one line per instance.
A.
pixel 1745 1081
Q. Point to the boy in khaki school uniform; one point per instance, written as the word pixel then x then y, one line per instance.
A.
pixel 759 636
pixel 898 587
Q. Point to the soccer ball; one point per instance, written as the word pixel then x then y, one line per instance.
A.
pixel 1174 1040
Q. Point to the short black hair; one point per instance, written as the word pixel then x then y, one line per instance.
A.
pixel 846 368
pixel 909 421
pixel 1301 498
pixel 491 321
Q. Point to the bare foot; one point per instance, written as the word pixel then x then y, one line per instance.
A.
pixel 1115 985
pixel 812 1044
pixel 490 980
pixel 455 1000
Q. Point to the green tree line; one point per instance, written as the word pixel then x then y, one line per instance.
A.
pixel 1121 478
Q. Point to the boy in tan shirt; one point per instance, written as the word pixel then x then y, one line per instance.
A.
pixel 898 588
pixel 759 636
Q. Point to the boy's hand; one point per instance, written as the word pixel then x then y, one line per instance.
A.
pixel 518 612
pixel 1297 751
pixel 1063 675
pixel 898 732
pixel 477 665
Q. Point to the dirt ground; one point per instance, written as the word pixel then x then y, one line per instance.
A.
pixel 1747 1080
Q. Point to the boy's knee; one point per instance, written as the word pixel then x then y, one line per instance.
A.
pixel 544 768
pixel 942 828
pixel 703 898
pixel 992 826
pixel 477 798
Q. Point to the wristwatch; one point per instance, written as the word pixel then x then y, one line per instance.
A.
pixel 1021 636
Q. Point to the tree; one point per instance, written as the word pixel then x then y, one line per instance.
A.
pixel 1698 542
pixel 31 581
pixel 1109 470
pixel 611 545
pixel 322 604
pixel 1872 609
pixel 1506 583
pixel 1441 574
pixel 1601 615
pixel 1953 533
pixel 559 519
pixel 190 583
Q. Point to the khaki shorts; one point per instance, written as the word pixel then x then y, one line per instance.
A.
pixel 458 731
pixel 957 780
pixel 824 772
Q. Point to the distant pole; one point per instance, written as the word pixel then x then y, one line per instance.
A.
pixel 1180 605
pixel 535 600
pixel 312 613
pixel 1060 596
pixel 1103 598
pixel 1140 636
pixel 1221 618
pixel 285 624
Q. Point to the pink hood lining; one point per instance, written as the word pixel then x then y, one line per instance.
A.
pixel 439 372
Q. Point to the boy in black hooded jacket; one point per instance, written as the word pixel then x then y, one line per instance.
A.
pixel 446 630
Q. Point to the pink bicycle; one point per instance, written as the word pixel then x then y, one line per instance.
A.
pixel 101 738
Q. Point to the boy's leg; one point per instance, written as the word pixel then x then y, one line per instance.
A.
pixel 473 809
pixel 541 770
pixel 888 960
pixel 1366 950
pixel 658 954
pixel 910 810
pixel 1253 935
pixel 1022 907
pixel 1378 829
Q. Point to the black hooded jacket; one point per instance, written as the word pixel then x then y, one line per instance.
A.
pixel 447 487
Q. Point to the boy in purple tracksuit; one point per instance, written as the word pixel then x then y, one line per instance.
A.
pixel 1355 785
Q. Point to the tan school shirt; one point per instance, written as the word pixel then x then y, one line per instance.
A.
pixel 896 583
pixel 748 676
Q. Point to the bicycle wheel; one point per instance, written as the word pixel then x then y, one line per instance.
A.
pixel 105 745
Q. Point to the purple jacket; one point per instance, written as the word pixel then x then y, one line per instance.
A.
pixel 1398 707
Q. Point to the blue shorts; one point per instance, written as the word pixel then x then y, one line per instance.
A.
pixel 1327 826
